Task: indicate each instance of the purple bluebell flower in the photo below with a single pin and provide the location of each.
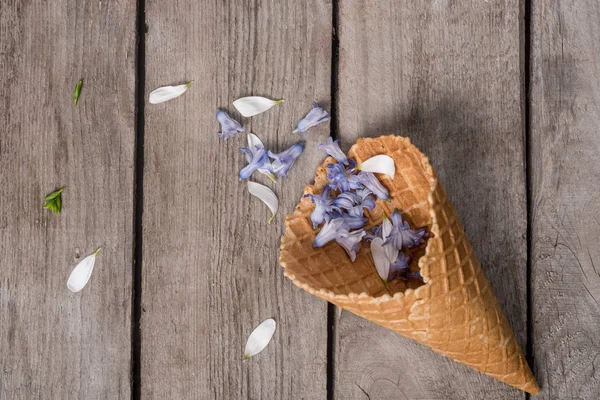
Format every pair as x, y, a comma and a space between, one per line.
229, 126
342, 178
352, 222
354, 202
283, 161
330, 231
323, 206
371, 182
401, 234
350, 241
257, 159
313, 118
401, 268
254, 145
333, 149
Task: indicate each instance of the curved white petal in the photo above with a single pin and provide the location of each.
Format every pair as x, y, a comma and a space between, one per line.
382, 263
82, 273
386, 228
259, 338
167, 93
254, 141
381, 164
266, 195
253, 105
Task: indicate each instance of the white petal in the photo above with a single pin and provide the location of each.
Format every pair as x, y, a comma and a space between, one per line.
260, 338
382, 263
266, 195
82, 272
254, 141
167, 93
253, 105
381, 164
386, 228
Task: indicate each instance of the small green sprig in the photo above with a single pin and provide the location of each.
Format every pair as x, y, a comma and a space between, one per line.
54, 201
77, 92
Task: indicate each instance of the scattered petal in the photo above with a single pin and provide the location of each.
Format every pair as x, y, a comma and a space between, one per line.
333, 149
386, 229
167, 93
258, 159
77, 92
370, 181
330, 231
382, 263
82, 273
350, 241
400, 267
254, 143
342, 178
283, 161
229, 126
259, 338
381, 164
352, 222
323, 206
313, 118
401, 234
253, 105
266, 195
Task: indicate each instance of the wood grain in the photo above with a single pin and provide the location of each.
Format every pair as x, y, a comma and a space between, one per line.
446, 74
210, 263
55, 344
565, 165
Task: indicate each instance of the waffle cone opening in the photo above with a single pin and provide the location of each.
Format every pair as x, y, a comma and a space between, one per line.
338, 275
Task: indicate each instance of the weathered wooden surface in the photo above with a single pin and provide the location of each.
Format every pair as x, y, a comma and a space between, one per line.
55, 344
447, 74
210, 262
565, 141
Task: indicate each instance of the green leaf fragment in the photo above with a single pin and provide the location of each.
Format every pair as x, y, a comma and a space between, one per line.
76, 92
54, 194
54, 201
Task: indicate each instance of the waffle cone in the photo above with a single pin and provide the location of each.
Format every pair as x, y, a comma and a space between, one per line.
454, 311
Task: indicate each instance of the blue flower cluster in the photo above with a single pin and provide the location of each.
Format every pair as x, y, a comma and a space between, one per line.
341, 204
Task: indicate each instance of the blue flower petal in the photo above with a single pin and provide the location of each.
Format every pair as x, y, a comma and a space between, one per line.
316, 116
229, 126
323, 206
350, 241
371, 182
402, 236
333, 149
283, 161
330, 231
259, 160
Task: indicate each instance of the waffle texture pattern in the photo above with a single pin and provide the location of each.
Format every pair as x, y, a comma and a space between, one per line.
454, 312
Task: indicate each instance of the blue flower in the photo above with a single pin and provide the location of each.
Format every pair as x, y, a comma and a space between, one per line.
254, 145
351, 221
333, 149
257, 159
371, 182
401, 268
323, 206
313, 118
351, 242
330, 231
283, 161
229, 126
342, 178
354, 202
402, 235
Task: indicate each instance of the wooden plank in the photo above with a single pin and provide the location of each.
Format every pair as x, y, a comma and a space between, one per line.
565, 116
54, 343
211, 270
446, 74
